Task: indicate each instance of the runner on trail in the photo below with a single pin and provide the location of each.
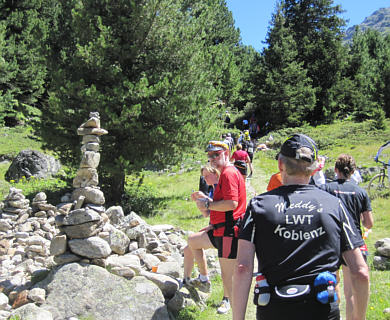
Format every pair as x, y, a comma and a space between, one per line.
358, 204
226, 210
299, 234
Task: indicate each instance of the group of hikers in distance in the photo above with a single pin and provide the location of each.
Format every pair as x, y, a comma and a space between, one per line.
301, 230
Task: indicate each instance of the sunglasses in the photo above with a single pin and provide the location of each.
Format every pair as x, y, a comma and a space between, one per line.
214, 155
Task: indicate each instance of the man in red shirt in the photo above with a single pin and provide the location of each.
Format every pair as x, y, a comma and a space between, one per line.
226, 210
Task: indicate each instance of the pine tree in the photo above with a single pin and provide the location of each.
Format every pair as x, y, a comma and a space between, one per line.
143, 67
285, 93
316, 29
24, 28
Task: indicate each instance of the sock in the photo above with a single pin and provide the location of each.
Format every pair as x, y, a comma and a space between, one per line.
203, 278
186, 280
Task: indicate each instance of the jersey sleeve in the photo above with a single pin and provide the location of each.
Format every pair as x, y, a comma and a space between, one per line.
230, 185
247, 226
366, 202
350, 236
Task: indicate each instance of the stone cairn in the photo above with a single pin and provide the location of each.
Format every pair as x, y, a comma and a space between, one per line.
84, 218
35, 239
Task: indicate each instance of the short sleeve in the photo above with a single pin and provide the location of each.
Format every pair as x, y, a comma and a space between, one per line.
350, 236
247, 226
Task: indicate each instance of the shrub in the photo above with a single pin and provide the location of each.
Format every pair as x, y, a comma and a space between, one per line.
139, 197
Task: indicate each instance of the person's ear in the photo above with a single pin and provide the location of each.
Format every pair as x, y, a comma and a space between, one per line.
280, 165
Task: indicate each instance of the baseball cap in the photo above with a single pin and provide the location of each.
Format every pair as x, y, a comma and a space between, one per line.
293, 144
216, 146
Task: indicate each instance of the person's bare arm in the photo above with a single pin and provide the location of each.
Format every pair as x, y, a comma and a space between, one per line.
367, 219
360, 282
242, 278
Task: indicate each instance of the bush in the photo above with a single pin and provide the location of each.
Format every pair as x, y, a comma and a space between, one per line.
139, 197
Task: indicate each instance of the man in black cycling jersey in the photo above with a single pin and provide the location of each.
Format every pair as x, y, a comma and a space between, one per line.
299, 233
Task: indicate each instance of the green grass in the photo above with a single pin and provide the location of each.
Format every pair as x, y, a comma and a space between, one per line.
13, 140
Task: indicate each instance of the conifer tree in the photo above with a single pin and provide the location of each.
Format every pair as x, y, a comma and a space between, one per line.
143, 67
285, 94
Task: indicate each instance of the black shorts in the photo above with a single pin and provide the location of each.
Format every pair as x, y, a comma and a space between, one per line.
299, 310
226, 246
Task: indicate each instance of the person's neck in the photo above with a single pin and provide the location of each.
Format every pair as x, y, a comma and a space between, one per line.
289, 180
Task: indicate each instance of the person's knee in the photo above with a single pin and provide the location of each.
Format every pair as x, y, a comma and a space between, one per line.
187, 250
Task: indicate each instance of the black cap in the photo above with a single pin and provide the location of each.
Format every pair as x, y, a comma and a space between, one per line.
297, 141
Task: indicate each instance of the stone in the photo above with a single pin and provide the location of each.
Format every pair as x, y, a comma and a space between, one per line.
90, 159
170, 268
15, 194
5, 225
92, 122
21, 204
40, 196
77, 290
86, 177
158, 228
84, 230
66, 258
126, 261
150, 261
93, 247
381, 263
21, 299
115, 214
90, 138
37, 295
3, 301
32, 312
383, 247
167, 285
92, 195
91, 146
58, 245
118, 240
80, 216
93, 131
32, 163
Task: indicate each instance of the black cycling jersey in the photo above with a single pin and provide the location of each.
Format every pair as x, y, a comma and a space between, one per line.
300, 231
354, 198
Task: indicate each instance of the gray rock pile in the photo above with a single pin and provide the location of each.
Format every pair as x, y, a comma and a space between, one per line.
25, 235
382, 255
94, 261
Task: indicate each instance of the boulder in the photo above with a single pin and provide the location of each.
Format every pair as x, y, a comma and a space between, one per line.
30, 163
31, 312
93, 247
76, 290
383, 247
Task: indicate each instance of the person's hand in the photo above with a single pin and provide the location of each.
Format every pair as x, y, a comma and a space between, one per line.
198, 195
207, 229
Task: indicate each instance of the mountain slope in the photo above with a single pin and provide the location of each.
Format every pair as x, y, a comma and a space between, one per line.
379, 20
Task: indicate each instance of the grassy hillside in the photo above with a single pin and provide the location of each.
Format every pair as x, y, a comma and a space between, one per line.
163, 197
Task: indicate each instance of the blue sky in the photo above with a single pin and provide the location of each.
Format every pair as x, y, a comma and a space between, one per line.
252, 17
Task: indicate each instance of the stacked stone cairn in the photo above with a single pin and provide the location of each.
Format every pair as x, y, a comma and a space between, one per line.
84, 217
36, 239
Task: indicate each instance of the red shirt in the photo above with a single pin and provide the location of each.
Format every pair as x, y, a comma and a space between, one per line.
240, 155
231, 186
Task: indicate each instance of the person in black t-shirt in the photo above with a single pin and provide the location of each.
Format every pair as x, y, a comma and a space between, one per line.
358, 204
298, 233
